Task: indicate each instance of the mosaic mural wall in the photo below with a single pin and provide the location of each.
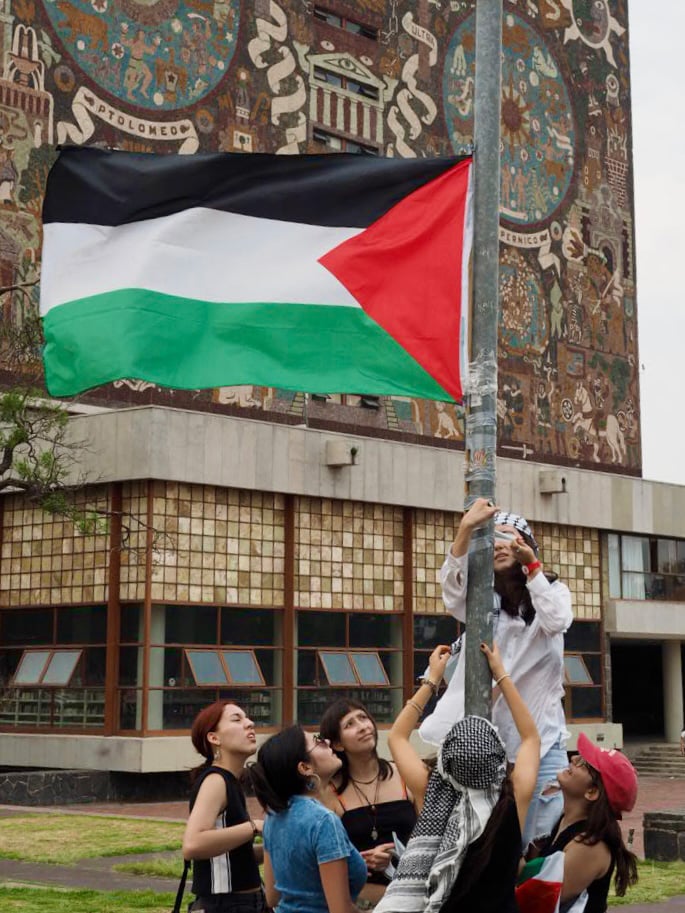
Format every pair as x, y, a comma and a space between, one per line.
384, 76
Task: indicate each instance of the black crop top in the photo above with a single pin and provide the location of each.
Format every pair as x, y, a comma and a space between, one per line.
236, 870
398, 815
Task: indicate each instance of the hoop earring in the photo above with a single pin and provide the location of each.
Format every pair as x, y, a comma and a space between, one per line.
313, 783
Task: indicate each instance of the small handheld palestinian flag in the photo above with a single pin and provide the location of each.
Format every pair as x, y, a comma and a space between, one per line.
539, 886
331, 273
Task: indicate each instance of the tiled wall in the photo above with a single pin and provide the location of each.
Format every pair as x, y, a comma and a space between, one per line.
45, 560
217, 545
348, 555
433, 532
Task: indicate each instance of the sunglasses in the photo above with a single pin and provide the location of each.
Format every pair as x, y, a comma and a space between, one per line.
318, 740
579, 761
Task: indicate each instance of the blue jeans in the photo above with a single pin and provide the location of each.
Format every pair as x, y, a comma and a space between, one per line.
545, 811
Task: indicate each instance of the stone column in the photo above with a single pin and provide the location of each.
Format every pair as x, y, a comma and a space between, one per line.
673, 689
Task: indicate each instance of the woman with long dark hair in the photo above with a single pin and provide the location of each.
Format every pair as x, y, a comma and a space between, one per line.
368, 793
310, 866
597, 786
532, 612
464, 853
219, 833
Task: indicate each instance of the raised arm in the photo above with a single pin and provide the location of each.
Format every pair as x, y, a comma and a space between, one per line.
453, 573
410, 766
527, 763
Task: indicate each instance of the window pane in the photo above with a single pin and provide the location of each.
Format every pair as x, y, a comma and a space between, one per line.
307, 668
614, 566
61, 667
321, 629
27, 627
82, 625
190, 625
245, 627
129, 632
431, 630
93, 666
576, 673
206, 667
635, 553
9, 660
667, 556
633, 586
31, 667
271, 664
586, 702
338, 668
583, 636
680, 552
130, 665
593, 661
369, 669
369, 630
242, 667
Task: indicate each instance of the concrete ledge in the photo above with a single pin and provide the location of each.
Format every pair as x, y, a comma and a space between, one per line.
664, 835
175, 753
69, 787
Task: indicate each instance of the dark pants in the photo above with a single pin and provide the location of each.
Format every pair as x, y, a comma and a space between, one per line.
252, 902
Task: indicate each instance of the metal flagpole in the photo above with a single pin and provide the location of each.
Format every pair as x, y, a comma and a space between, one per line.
481, 400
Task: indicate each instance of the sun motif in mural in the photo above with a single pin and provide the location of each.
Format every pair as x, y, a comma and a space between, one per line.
538, 126
156, 54
515, 117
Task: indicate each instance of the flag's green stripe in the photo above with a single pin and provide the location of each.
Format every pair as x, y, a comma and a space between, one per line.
177, 342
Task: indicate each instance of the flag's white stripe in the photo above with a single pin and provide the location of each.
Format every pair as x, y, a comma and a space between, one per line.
200, 253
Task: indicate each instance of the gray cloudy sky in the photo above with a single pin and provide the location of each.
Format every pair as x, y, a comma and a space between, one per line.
657, 51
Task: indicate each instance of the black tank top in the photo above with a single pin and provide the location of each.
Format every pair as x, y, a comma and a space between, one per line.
398, 815
236, 870
493, 890
598, 891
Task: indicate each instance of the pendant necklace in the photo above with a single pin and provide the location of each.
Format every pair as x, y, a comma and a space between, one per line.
370, 805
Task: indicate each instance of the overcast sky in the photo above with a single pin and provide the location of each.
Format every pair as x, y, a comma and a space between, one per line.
657, 44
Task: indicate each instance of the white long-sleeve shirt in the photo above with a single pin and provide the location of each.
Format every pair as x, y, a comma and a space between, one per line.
532, 654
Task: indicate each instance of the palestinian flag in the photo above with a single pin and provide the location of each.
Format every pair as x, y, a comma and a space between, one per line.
539, 886
324, 273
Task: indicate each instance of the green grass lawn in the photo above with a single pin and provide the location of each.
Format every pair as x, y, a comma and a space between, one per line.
63, 839
56, 900
658, 881
157, 868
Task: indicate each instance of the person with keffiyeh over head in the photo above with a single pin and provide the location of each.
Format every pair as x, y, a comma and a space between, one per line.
532, 612
463, 855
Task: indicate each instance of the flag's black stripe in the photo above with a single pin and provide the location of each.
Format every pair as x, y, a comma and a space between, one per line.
113, 188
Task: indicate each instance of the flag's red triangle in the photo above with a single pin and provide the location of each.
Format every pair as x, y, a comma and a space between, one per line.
538, 896
405, 270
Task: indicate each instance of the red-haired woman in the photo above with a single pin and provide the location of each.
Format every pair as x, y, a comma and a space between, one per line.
219, 833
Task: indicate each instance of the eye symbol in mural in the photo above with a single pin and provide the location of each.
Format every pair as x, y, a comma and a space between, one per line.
157, 54
538, 128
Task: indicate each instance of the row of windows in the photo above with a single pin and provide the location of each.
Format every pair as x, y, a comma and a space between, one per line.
642, 567
199, 653
343, 22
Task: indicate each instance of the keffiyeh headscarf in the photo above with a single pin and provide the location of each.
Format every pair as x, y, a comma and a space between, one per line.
462, 792
519, 523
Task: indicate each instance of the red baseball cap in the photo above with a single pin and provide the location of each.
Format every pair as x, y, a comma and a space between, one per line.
619, 777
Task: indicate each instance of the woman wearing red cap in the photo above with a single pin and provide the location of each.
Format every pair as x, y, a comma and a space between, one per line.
597, 786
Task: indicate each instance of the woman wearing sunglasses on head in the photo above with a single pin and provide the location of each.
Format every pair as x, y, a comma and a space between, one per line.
597, 786
310, 866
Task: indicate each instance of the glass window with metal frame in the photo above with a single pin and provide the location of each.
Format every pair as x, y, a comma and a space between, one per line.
348, 654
